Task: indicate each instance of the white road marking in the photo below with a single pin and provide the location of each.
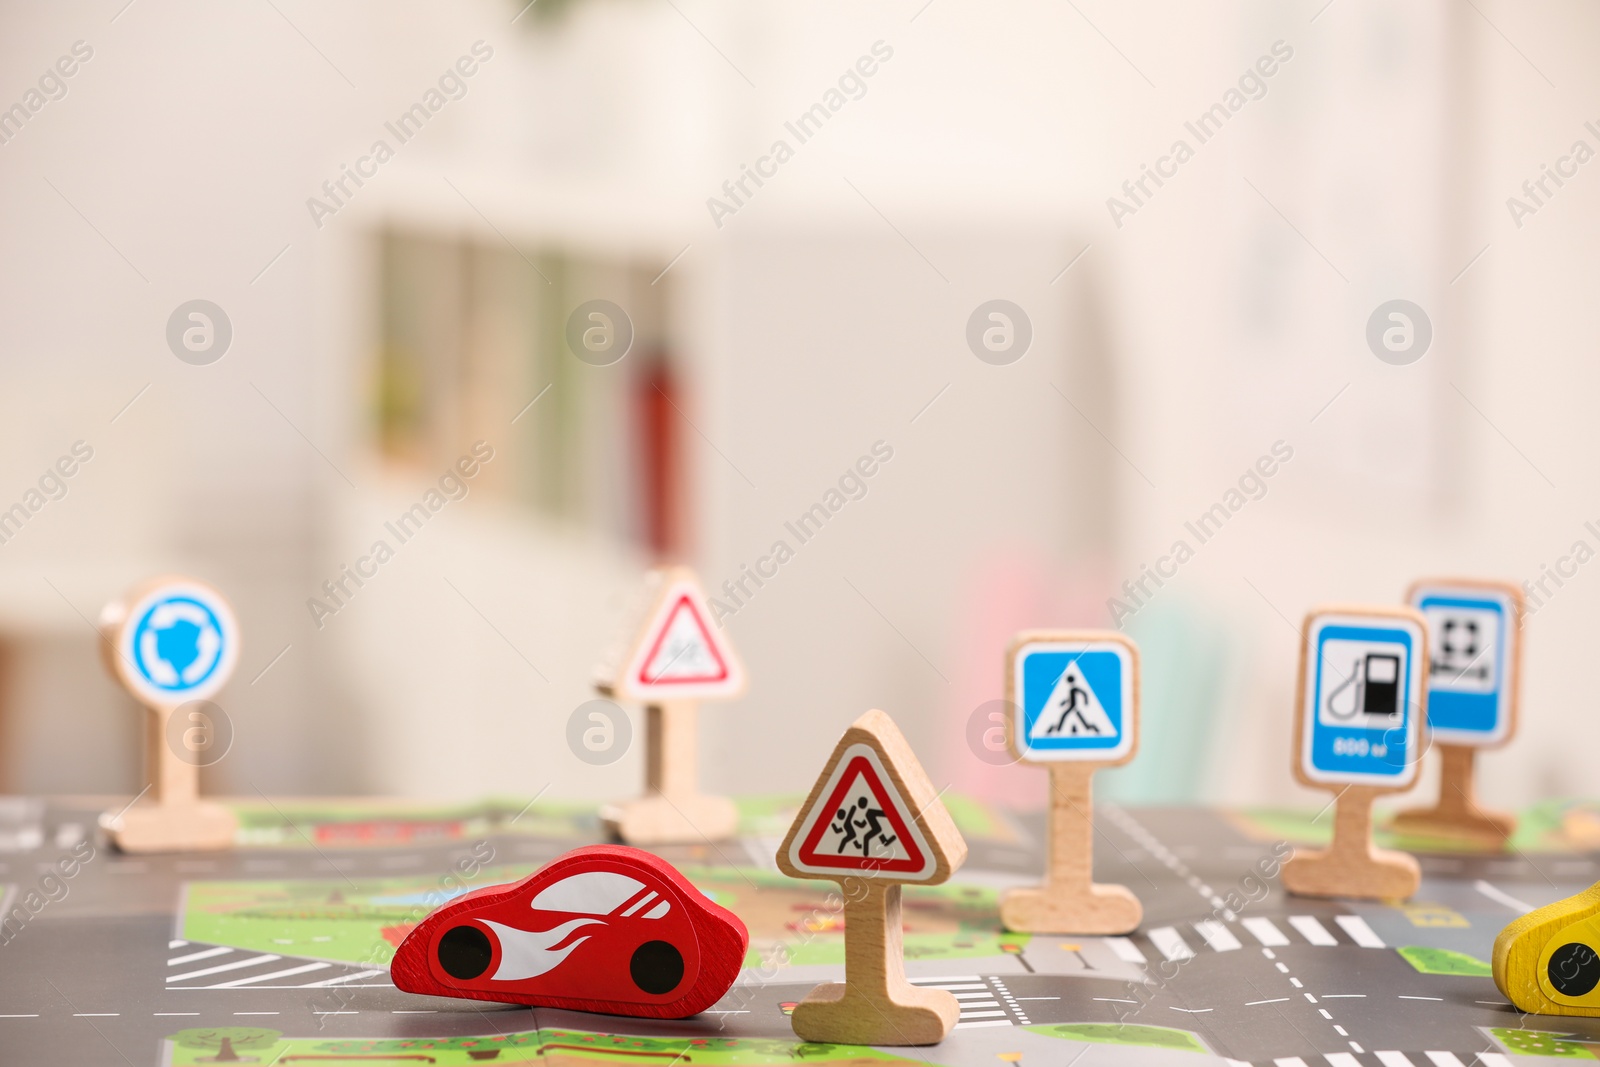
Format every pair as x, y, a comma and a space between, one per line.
1357, 1047
973, 996
989, 1003
983, 1014
1264, 931
1191, 1011
1290, 1061
1341, 1031
1108, 1000
1308, 996
1494, 1059
1359, 931
987, 1022
1324, 1013
342, 979
948, 978
1444, 1059
1218, 936
253, 1013
1170, 943
727, 1011
1239, 1063
174, 1013
1500, 896
1058, 998
236, 983
336, 1013
1296, 982
1274, 1000
176, 944
1341, 1059
1334, 996
953, 987
204, 954
414, 1011
95, 1014
1126, 950
1404, 997
234, 966
1312, 930
34, 1016
1281, 967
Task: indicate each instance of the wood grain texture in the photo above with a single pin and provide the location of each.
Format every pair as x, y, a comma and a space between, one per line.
1351, 865
597, 939
1457, 813
875, 1004
1525, 971
1070, 901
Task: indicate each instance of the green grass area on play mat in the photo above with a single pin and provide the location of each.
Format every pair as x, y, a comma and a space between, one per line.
1444, 961
199, 1045
1125, 1034
1540, 1043
362, 920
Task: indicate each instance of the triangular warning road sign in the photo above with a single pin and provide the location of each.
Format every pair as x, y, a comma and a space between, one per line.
873, 814
673, 652
1072, 709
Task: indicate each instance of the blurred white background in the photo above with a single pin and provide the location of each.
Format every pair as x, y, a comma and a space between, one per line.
1173, 344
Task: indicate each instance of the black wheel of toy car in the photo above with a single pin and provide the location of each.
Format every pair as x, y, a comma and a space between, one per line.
465, 952
656, 967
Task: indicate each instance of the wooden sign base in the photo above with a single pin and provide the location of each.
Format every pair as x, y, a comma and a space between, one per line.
875, 1005
1457, 814
199, 826
673, 811
1351, 866
1070, 902
175, 819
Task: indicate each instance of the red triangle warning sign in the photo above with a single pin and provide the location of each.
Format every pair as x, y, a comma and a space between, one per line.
677, 653
861, 823
873, 814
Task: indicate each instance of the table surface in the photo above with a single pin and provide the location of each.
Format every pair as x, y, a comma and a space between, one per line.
281, 945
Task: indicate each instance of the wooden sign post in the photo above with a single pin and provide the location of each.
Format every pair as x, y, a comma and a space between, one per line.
872, 823
1359, 730
1074, 700
172, 641
1475, 633
672, 660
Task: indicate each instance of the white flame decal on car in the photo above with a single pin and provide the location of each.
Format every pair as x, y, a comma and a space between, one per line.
530, 953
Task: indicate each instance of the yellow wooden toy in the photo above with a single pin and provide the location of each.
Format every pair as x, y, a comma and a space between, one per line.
1548, 961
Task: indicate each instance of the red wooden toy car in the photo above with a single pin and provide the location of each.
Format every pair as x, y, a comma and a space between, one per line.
604, 928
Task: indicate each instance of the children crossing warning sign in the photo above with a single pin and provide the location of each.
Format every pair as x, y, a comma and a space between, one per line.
861, 823
674, 653
683, 651
872, 814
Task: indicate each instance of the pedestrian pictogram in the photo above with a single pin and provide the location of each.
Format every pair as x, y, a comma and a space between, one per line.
871, 822
684, 651
861, 823
670, 659
1075, 706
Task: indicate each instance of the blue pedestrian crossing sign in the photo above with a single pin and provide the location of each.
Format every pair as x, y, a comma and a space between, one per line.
1363, 697
1074, 696
1474, 633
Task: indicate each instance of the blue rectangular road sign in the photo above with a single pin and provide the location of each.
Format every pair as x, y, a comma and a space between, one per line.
1074, 699
1473, 634
1362, 698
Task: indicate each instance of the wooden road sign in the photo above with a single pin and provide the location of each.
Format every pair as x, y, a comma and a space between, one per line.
1474, 684
671, 658
172, 641
872, 822
1360, 730
1074, 698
